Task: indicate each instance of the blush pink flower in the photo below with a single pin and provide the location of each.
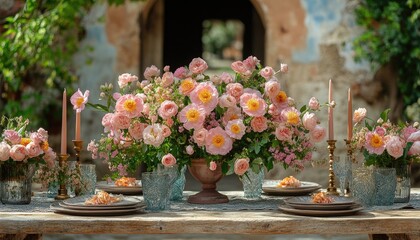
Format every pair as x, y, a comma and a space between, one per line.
227, 101
251, 62
168, 160
259, 124
18, 152
130, 105
33, 150
205, 95
284, 68
126, 78
408, 131
79, 100
235, 129
218, 142
187, 86
136, 130
359, 115
253, 105
106, 121
231, 114
226, 77
200, 136
415, 149
12, 136
380, 130
213, 166
198, 66
167, 79
49, 157
151, 72
318, 133
153, 135
313, 103
166, 131
168, 109
395, 147
291, 116
283, 133
240, 68
181, 73
309, 121
280, 100
374, 143
267, 73
120, 121
415, 136
190, 150
272, 88
235, 89
192, 116
4, 151
241, 166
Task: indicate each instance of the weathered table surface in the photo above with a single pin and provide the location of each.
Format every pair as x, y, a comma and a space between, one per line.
404, 221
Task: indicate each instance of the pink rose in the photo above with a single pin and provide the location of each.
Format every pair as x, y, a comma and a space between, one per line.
120, 121
213, 166
318, 133
272, 88
4, 151
167, 79
12, 136
126, 78
168, 160
106, 121
227, 101
259, 124
166, 68
146, 109
283, 133
359, 115
136, 130
144, 83
198, 66
50, 157
309, 121
395, 147
267, 73
18, 152
33, 149
153, 135
226, 77
181, 73
380, 131
235, 89
151, 72
215, 79
251, 62
240, 68
415, 149
241, 166
200, 136
284, 68
313, 103
190, 150
79, 100
166, 131
168, 109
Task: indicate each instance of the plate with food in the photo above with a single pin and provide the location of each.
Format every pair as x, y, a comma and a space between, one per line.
289, 186
124, 185
321, 213
101, 199
97, 212
320, 201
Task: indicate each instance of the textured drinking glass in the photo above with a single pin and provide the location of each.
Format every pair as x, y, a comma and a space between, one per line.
156, 190
402, 190
363, 186
342, 170
88, 178
252, 183
385, 183
15, 183
178, 185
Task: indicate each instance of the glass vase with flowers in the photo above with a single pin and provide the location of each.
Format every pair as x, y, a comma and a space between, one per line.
21, 152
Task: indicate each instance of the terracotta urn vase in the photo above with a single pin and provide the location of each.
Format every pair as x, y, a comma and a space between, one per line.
208, 179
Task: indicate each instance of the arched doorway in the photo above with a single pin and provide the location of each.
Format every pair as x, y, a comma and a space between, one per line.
171, 31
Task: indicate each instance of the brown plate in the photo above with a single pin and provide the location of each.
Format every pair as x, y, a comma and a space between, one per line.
111, 188
321, 213
270, 187
107, 212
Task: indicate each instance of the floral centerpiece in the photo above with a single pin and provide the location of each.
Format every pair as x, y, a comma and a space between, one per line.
239, 121
385, 144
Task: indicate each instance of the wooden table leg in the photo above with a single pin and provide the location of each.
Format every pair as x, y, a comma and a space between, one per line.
21, 236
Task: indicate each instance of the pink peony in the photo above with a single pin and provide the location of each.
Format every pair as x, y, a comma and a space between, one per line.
153, 135
205, 95
309, 121
12, 136
213, 166
33, 150
280, 100
227, 101
181, 73
190, 150
79, 100
18, 152
130, 105
272, 88
253, 105
198, 66
136, 130
126, 78
395, 147
267, 73
318, 133
168, 109
167, 79
192, 116
120, 121
187, 86
290, 116
241, 166
235, 89
168, 160
283, 133
259, 124
200, 136
374, 143
235, 129
313, 103
218, 142
226, 77
231, 114
415, 149
359, 115
151, 72
4, 151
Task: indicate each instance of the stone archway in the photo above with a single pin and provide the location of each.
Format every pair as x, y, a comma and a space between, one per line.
170, 33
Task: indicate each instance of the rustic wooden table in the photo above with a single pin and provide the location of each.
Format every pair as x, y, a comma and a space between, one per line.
401, 224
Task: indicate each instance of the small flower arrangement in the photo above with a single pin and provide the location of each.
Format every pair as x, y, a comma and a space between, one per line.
17, 145
385, 144
238, 121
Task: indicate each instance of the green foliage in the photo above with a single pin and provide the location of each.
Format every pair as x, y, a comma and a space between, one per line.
392, 35
218, 35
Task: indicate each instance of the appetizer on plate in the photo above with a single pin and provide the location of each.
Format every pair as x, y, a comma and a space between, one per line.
289, 182
322, 197
102, 198
126, 182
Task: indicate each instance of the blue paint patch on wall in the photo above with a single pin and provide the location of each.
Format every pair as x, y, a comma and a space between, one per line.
322, 16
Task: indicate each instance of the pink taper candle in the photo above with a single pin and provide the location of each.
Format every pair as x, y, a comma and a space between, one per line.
77, 126
64, 124
330, 114
349, 116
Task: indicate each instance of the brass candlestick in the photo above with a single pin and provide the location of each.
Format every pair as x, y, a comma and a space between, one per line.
351, 156
78, 145
62, 191
331, 190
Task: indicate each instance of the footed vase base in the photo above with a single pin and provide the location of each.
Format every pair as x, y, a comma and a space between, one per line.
208, 197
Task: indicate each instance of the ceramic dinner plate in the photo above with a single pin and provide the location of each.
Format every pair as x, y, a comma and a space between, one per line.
321, 213
97, 212
270, 187
111, 188
80, 202
305, 202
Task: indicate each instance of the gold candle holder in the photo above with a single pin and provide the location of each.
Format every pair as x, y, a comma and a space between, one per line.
78, 145
351, 156
331, 190
62, 191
